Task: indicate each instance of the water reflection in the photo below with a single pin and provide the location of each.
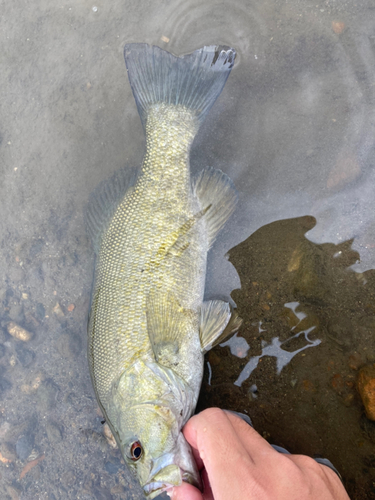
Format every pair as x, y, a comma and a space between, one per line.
294, 295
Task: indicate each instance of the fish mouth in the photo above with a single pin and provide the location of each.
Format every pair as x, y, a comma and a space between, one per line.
152, 490
155, 488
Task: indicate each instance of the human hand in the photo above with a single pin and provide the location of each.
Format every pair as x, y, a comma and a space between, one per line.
236, 463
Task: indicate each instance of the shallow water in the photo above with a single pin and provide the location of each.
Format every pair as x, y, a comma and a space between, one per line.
294, 128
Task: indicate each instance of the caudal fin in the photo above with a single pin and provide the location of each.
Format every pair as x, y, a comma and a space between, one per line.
194, 80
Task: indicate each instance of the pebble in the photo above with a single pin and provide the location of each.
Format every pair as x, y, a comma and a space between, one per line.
338, 27
34, 384
355, 361
40, 311
18, 332
4, 384
47, 395
113, 467
8, 452
24, 356
71, 307
58, 311
69, 345
53, 432
366, 389
24, 446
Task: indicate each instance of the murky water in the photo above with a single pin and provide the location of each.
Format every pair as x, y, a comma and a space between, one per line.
294, 128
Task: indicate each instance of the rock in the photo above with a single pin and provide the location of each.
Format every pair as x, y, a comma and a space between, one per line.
40, 311
58, 311
24, 446
4, 384
69, 344
53, 432
113, 466
16, 312
13, 361
338, 27
47, 395
18, 332
355, 361
366, 389
8, 451
25, 356
34, 384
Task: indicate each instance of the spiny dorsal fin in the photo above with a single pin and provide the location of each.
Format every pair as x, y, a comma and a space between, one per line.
104, 201
215, 189
218, 321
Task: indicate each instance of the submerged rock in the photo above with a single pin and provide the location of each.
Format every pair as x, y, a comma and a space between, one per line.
24, 446
366, 389
18, 332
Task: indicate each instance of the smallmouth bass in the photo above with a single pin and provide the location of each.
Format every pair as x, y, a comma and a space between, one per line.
149, 326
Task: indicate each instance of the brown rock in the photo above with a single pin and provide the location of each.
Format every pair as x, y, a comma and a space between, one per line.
18, 332
338, 27
355, 361
366, 389
58, 311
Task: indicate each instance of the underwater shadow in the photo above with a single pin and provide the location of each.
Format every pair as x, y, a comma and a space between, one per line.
308, 327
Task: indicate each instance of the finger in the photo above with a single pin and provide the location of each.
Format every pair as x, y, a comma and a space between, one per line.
185, 492
252, 441
191, 437
212, 434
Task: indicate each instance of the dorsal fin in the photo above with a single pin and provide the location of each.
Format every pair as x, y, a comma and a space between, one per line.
215, 189
104, 201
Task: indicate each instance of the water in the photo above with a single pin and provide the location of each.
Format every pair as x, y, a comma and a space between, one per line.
294, 128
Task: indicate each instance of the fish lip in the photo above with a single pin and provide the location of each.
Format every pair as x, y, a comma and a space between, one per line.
154, 488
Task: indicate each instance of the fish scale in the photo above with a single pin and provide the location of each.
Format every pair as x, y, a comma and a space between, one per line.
140, 226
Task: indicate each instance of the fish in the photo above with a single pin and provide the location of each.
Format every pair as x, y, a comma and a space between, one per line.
149, 325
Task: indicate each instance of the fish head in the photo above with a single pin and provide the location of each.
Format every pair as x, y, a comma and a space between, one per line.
157, 451
151, 411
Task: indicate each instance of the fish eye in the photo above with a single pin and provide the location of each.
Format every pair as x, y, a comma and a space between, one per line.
136, 451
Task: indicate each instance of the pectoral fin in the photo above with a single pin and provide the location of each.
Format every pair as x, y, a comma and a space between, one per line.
165, 318
218, 321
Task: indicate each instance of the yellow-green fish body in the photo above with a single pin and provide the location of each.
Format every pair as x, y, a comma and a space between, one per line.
149, 326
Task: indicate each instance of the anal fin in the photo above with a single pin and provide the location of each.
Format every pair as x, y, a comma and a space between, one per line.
218, 321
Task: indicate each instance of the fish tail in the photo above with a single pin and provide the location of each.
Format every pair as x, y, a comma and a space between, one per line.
193, 81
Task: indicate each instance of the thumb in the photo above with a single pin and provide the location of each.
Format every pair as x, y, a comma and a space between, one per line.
185, 492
